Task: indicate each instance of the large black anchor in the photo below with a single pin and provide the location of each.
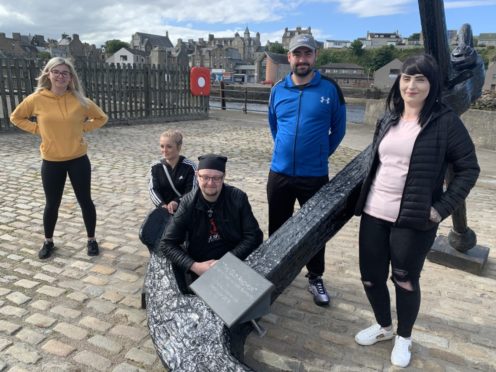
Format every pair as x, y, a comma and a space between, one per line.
463, 77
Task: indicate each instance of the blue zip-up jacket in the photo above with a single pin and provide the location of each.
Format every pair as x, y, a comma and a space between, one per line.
307, 124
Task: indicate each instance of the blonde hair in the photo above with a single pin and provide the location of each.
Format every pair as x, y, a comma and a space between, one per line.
176, 136
74, 85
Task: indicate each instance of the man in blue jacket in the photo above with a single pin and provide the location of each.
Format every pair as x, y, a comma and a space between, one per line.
307, 118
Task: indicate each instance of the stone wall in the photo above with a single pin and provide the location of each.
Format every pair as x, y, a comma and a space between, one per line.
374, 108
487, 101
481, 124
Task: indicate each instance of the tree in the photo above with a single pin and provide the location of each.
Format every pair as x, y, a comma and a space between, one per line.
488, 54
323, 57
277, 48
414, 37
356, 48
44, 55
382, 56
112, 46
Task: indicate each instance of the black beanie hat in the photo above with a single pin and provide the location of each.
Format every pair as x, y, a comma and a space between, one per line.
212, 161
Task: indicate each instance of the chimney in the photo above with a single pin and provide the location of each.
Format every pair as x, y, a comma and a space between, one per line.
16, 36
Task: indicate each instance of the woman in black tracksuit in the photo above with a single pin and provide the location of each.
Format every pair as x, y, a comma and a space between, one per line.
402, 200
173, 176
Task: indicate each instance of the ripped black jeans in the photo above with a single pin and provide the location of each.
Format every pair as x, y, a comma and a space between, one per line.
380, 243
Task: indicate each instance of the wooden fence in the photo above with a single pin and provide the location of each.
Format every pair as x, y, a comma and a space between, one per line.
128, 94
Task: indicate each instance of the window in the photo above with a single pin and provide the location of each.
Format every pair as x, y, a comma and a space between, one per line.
393, 73
123, 58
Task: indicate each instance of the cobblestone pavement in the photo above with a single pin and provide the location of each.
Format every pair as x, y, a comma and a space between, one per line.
78, 313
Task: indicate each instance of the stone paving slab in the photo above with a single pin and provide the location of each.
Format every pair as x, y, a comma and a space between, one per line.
79, 313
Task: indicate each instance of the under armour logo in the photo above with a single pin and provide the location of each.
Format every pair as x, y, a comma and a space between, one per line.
181, 177
325, 99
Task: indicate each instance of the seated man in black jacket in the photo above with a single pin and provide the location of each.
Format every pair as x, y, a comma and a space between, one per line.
210, 221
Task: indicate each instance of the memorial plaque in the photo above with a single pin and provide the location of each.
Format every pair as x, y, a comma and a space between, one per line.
234, 291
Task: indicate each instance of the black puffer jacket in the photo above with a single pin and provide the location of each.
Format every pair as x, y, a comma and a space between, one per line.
443, 140
236, 223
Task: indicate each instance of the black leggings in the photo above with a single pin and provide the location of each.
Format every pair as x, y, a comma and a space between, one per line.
282, 193
381, 243
53, 176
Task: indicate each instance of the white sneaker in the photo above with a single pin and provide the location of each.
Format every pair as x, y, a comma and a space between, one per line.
373, 334
401, 354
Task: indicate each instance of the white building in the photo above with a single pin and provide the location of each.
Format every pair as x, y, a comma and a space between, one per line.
128, 56
336, 44
378, 39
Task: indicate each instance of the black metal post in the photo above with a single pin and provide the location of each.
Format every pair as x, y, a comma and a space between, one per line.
245, 109
222, 95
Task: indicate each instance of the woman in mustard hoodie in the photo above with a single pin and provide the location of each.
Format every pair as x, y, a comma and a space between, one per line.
62, 114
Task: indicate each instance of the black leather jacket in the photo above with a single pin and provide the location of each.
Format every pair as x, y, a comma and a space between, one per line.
443, 140
236, 223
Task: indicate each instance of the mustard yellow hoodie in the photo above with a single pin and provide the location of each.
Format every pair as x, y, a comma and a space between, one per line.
60, 121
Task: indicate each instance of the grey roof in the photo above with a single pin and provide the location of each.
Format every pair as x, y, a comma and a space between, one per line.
157, 40
65, 41
136, 51
15, 48
280, 59
342, 65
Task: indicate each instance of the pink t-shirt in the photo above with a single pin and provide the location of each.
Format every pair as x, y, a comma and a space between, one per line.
395, 150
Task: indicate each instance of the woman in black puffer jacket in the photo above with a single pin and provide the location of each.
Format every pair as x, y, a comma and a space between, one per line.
402, 199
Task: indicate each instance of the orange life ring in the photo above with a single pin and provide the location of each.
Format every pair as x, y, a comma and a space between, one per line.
199, 79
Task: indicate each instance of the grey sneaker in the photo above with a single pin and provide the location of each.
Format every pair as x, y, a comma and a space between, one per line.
320, 295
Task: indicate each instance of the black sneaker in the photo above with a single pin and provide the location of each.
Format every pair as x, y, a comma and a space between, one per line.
320, 295
46, 251
93, 248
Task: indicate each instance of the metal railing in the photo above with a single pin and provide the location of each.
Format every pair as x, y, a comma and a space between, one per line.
238, 97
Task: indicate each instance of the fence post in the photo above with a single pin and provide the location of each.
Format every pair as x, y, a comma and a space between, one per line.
222, 96
147, 85
245, 109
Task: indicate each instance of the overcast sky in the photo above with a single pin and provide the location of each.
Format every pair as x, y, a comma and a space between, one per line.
99, 20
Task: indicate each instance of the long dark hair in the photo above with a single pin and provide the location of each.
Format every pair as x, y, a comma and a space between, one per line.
426, 65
